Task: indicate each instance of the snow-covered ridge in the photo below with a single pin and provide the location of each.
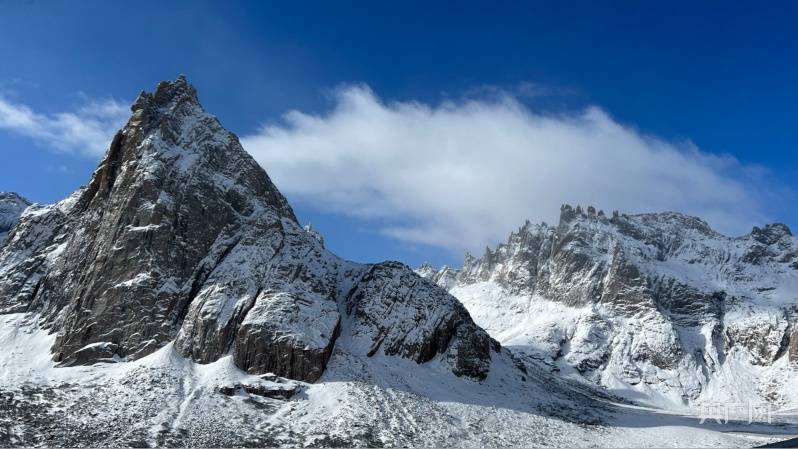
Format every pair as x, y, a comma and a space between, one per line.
658, 305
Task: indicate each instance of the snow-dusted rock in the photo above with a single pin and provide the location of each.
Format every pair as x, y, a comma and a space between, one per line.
33, 249
181, 236
288, 334
652, 302
11, 207
399, 313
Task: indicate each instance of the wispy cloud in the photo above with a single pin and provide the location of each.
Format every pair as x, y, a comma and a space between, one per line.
462, 174
86, 130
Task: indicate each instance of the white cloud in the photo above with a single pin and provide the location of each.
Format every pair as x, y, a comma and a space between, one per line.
87, 130
462, 175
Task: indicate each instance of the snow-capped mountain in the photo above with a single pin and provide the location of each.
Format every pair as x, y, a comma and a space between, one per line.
655, 307
175, 300
180, 235
11, 207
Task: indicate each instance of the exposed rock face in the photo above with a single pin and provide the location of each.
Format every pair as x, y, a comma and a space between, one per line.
793, 346
286, 334
274, 391
659, 300
136, 240
181, 236
30, 251
11, 207
399, 313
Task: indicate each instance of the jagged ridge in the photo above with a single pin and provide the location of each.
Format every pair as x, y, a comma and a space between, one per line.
641, 302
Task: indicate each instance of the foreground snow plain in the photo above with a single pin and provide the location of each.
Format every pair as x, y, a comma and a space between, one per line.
167, 400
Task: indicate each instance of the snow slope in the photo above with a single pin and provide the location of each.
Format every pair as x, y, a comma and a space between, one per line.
164, 399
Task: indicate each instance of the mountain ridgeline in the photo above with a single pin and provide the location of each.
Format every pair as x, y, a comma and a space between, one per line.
653, 304
180, 236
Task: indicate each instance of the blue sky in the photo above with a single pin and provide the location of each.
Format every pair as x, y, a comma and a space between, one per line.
625, 105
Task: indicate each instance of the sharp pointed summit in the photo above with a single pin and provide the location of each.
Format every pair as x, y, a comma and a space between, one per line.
181, 236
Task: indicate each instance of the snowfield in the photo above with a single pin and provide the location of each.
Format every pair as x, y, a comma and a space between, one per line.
166, 399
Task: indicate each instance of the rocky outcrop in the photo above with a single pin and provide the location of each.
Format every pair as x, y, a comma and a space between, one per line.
286, 334
793, 346
134, 243
30, 259
181, 236
399, 313
272, 391
11, 207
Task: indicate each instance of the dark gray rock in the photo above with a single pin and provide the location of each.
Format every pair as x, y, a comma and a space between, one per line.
11, 207
400, 313
793, 346
289, 336
96, 352
283, 392
771, 233
172, 184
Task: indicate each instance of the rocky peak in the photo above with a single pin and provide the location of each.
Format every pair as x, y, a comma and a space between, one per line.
171, 144
567, 213
171, 110
167, 94
586, 242
11, 207
12, 197
675, 222
570, 214
426, 270
770, 233
180, 236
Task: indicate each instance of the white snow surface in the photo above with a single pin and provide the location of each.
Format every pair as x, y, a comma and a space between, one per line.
358, 401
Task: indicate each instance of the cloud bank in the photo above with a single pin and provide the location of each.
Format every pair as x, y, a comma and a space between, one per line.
461, 175
87, 130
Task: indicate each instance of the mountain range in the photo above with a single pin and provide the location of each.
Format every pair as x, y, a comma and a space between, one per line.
177, 300
658, 308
